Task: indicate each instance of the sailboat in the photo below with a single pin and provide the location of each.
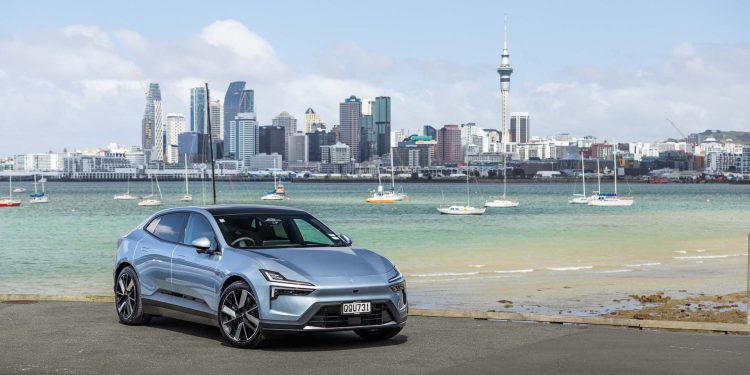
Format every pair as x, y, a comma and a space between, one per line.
381, 195
10, 202
611, 199
463, 210
125, 196
582, 198
19, 190
187, 197
150, 200
39, 197
502, 202
277, 194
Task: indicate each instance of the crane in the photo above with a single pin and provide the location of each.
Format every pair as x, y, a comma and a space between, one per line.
678, 129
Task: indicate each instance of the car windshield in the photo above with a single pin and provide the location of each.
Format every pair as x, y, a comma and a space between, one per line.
275, 230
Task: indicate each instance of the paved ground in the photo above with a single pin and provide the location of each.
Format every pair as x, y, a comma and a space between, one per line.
82, 338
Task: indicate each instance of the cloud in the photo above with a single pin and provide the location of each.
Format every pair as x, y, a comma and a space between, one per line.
81, 86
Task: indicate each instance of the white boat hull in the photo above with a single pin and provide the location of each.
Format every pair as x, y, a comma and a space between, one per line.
272, 197
125, 197
612, 202
187, 198
501, 203
44, 199
150, 202
461, 210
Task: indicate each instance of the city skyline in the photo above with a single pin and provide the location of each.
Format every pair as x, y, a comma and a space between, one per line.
618, 84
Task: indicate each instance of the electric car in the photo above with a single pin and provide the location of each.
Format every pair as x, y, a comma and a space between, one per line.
253, 271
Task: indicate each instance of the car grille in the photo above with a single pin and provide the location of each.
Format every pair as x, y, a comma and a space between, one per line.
331, 317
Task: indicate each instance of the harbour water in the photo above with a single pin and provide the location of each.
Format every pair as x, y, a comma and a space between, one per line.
546, 255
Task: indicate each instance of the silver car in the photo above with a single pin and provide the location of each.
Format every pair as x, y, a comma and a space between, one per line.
254, 271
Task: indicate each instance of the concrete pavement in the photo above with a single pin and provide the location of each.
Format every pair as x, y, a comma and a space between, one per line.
85, 338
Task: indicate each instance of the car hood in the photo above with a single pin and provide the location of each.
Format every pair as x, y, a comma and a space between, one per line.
326, 261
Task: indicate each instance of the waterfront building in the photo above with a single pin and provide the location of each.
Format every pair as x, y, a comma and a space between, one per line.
297, 147
247, 136
217, 120
430, 131
415, 152
317, 139
380, 110
38, 162
152, 138
264, 161
236, 100
102, 166
718, 162
368, 138
745, 160
198, 110
602, 150
505, 70
350, 123
449, 145
195, 145
311, 118
339, 153
271, 139
175, 127
289, 123
519, 127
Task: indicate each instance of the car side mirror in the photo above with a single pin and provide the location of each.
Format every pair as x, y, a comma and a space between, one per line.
203, 245
346, 240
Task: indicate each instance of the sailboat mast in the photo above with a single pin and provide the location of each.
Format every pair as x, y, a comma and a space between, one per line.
583, 175
35, 190
128, 184
615, 169
186, 177
10, 184
598, 176
468, 200
505, 173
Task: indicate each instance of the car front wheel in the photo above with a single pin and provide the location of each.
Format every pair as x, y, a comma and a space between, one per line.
239, 317
128, 298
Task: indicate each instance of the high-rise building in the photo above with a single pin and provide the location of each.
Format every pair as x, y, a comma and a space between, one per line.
449, 144
311, 118
338, 153
195, 146
217, 120
152, 138
236, 100
175, 127
289, 123
271, 140
381, 117
247, 136
504, 70
350, 123
429, 131
367, 138
519, 127
198, 109
298, 147
316, 140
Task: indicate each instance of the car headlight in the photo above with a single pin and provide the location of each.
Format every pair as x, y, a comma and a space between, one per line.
283, 286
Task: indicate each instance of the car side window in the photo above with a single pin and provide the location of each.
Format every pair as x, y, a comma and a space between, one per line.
151, 227
170, 227
197, 227
310, 234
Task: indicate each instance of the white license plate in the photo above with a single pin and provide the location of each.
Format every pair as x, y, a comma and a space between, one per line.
355, 308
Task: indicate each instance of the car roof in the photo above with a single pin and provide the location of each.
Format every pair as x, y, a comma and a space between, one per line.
233, 209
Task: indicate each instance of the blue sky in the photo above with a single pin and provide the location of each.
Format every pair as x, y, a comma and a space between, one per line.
436, 58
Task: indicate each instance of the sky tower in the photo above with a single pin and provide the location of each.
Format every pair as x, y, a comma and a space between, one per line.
504, 70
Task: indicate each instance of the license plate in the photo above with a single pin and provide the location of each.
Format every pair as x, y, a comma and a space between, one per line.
355, 308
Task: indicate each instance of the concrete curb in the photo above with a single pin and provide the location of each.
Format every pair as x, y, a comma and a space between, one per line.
735, 328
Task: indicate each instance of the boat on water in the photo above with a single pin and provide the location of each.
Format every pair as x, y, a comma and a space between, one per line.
380, 195
39, 197
468, 209
150, 200
9, 201
186, 197
277, 194
125, 196
503, 201
582, 198
19, 190
611, 199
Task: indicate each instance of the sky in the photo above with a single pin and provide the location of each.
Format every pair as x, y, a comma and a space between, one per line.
73, 74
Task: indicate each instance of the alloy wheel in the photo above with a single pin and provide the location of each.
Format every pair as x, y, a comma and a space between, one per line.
239, 316
125, 295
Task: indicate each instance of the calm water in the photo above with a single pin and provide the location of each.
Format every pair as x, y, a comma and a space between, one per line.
545, 255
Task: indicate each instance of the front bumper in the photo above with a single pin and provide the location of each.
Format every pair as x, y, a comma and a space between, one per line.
323, 316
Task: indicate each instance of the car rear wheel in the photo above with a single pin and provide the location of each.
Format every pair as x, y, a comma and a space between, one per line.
378, 334
239, 317
128, 299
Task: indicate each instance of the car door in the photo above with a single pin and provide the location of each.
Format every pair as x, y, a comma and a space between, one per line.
195, 275
153, 257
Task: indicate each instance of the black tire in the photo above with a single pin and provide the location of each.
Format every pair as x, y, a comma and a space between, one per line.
239, 319
128, 304
378, 334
